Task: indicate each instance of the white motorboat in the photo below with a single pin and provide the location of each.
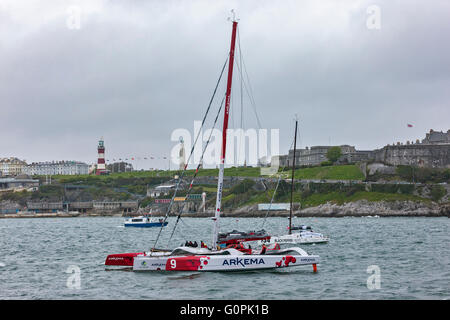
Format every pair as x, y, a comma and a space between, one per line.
145, 222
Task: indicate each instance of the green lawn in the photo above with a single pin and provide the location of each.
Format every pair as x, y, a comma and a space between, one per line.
342, 172
242, 172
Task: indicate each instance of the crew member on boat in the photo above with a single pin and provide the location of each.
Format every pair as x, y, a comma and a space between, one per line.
263, 249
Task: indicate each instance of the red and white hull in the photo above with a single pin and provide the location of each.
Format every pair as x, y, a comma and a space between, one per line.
224, 260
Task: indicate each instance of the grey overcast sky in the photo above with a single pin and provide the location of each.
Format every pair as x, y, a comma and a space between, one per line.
137, 70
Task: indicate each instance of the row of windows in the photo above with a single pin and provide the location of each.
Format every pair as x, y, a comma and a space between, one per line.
47, 169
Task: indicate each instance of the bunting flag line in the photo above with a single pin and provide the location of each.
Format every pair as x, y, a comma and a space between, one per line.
135, 158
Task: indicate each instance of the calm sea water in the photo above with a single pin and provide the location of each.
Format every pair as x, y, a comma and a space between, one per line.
413, 256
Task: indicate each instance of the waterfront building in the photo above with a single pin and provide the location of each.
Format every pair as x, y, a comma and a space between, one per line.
18, 184
57, 167
317, 154
119, 167
431, 152
115, 206
11, 166
167, 187
437, 137
83, 206
162, 190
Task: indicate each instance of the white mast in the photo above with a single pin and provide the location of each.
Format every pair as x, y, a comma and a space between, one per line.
224, 136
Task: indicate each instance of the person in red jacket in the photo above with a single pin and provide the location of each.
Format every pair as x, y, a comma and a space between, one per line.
263, 249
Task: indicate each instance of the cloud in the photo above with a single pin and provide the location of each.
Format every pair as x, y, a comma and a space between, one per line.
135, 71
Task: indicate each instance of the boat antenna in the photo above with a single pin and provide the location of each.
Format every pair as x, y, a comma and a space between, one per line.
232, 19
293, 172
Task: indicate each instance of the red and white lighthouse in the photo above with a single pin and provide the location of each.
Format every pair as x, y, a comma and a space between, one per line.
101, 167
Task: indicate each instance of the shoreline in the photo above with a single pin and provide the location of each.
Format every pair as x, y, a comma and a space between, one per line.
56, 215
360, 208
235, 215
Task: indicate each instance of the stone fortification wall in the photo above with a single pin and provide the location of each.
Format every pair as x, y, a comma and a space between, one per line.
422, 155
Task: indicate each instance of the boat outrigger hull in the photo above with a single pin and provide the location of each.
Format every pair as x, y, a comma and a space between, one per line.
122, 259
295, 238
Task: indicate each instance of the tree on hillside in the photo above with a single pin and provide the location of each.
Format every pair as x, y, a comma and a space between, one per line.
334, 153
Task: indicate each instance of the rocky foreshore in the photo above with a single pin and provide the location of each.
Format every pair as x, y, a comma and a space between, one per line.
355, 209
379, 208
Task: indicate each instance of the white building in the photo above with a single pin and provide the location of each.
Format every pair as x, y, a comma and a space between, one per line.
11, 166
163, 190
56, 167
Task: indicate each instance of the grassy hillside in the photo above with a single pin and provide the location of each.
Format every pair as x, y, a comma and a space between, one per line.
342, 172
314, 194
133, 185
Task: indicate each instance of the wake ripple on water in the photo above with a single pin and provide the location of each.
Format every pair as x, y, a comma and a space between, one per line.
414, 262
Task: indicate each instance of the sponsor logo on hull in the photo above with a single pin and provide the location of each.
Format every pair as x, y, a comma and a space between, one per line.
242, 261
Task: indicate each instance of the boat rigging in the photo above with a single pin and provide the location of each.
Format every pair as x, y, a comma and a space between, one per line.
186, 258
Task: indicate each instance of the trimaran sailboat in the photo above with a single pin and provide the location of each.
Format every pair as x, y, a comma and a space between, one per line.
215, 259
